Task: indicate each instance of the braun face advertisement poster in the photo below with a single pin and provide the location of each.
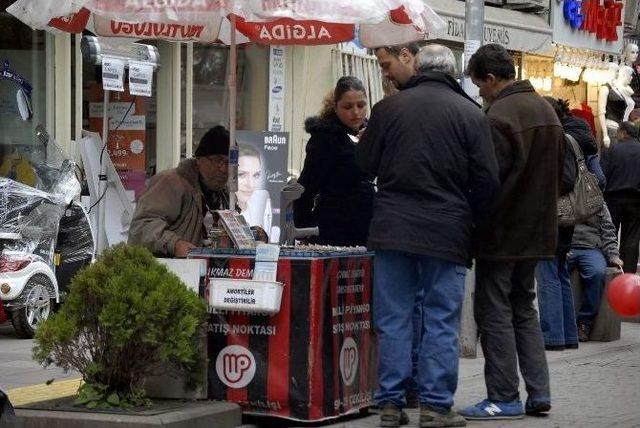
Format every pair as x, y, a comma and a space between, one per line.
262, 173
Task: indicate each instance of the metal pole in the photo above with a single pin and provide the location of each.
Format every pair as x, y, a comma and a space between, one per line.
473, 37
232, 184
101, 235
189, 101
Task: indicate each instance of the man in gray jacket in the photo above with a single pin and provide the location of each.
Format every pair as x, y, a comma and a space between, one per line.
594, 247
169, 214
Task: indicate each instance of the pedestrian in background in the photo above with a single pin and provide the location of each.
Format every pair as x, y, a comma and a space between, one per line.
594, 247
430, 147
338, 197
621, 166
522, 230
555, 298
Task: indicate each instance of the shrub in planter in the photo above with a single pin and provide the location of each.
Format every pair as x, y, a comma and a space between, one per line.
126, 315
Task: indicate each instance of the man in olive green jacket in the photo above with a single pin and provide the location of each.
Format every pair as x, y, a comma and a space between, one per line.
169, 215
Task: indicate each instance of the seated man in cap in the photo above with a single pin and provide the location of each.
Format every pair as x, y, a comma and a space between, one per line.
169, 215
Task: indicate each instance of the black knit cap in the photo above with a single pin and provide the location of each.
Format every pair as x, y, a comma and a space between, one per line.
214, 142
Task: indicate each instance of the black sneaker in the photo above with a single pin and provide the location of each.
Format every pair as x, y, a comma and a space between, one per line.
584, 331
537, 407
391, 416
554, 347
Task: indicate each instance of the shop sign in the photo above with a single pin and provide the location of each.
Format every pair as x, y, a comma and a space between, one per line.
588, 24
589, 15
510, 37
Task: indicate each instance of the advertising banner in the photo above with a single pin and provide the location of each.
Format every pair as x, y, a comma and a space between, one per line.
277, 88
316, 358
262, 173
287, 31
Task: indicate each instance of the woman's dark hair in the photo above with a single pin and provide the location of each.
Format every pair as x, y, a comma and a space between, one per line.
630, 129
344, 85
561, 107
491, 59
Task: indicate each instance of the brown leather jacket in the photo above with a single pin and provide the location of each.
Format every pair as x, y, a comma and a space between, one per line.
529, 144
169, 209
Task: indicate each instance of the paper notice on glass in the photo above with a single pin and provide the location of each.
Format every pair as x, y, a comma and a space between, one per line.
140, 78
112, 74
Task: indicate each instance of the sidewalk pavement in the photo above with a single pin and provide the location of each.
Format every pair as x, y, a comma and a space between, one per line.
597, 385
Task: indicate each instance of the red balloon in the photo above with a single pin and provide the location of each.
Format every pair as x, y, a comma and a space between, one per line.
623, 294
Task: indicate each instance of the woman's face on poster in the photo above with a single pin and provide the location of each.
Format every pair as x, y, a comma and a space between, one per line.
249, 177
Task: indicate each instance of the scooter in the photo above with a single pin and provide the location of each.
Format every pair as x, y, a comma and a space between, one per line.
45, 237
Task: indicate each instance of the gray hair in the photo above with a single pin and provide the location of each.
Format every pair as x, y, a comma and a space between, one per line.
436, 58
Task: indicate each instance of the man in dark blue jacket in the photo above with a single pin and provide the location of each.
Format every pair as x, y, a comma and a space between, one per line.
430, 147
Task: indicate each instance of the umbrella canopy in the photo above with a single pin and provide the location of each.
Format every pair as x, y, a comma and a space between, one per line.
281, 22
296, 22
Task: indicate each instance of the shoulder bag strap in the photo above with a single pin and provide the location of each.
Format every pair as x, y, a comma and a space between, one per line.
577, 151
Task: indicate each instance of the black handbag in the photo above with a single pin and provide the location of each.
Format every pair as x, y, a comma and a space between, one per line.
585, 199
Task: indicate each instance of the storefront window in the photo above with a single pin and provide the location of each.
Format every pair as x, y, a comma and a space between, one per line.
23, 94
132, 127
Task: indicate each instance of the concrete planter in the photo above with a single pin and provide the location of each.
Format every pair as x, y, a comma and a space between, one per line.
167, 413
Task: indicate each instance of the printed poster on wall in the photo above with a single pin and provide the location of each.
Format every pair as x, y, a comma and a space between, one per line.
127, 134
276, 88
262, 173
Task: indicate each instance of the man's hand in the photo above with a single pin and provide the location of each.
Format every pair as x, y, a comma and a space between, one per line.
616, 262
182, 248
260, 234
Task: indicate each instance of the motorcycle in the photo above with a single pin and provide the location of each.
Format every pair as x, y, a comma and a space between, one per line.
45, 234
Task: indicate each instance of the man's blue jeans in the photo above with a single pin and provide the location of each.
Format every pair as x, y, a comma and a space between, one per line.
591, 265
398, 278
555, 301
413, 384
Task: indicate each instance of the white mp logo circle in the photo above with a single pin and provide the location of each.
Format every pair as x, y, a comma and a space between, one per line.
235, 366
349, 361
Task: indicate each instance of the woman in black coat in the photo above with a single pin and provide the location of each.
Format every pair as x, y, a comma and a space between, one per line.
338, 197
555, 299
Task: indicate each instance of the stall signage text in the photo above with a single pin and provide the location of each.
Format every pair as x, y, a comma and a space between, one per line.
589, 15
290, 32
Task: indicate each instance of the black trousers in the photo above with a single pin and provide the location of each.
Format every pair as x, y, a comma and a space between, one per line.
625, 214
510, 330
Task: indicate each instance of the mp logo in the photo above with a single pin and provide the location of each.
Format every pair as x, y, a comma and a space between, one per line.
349, 361
235, 366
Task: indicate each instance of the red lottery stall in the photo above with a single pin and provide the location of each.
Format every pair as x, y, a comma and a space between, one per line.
315, 358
